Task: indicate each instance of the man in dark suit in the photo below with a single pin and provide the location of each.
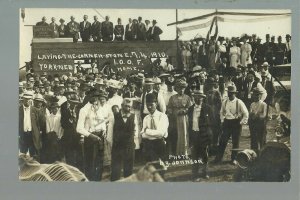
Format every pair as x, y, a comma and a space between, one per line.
280, 50
73, 29
132, 93
96, 30
29, 128
54, 27
43, 22
130, 31
119, 31
123, 129
200, 123
69, 118
85, 29
154, 32
241, 83
107, 29
141, 30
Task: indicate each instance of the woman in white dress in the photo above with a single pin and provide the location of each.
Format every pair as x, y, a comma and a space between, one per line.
234, 54
245, 53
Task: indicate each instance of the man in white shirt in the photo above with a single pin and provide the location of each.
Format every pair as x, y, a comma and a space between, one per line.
54, 133
233, 115
92, 124
154, 131
122, 131
29, 128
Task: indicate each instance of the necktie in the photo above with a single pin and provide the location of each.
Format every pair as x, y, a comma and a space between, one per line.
153, 126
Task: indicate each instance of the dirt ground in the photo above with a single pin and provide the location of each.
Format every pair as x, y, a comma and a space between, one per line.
222, 172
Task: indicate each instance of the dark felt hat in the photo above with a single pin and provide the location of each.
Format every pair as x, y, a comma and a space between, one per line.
150, 98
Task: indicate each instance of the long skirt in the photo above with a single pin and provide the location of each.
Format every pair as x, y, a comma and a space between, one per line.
182, 135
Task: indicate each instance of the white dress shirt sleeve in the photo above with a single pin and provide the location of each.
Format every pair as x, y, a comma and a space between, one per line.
110, 129
244, 111
261, 88
161, 130
161, 103
80, 124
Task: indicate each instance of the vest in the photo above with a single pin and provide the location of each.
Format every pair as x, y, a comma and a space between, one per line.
123, 133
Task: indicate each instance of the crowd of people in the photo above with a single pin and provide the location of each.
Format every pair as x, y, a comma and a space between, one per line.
135, 30
90, 119
237, 51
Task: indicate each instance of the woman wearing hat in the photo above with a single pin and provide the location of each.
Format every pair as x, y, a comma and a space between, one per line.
257, 116
246, 50
177, 111
234, 54
62, 29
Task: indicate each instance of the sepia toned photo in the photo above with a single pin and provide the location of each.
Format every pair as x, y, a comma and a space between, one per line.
154, 95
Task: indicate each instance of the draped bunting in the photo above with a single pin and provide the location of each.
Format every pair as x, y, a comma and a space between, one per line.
222, 19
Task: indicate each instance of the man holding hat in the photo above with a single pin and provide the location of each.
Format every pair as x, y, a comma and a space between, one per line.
154, 131
122, 130
200, 132
233, 115
29, 128
257, 123
92, 125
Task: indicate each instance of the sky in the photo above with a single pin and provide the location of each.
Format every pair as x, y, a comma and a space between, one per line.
275, 27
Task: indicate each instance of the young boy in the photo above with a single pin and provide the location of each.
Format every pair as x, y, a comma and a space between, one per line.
54, 135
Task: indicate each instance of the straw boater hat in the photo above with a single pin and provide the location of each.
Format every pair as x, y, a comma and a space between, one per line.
265, 64
163, 74
74, 99
148, 81
257, 91
99, 81
199, 93
39, 97
27, 95
114, 84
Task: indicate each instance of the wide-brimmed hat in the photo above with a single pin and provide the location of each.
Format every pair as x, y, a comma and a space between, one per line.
27, 95
39, 97
148, 81
140, 76
84, 87
198, 93
114, 84
265, 64
99, 81
231, 89
181, 84
61, 20
163, 74
157, 80
74, 99
69, 91
257, 91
